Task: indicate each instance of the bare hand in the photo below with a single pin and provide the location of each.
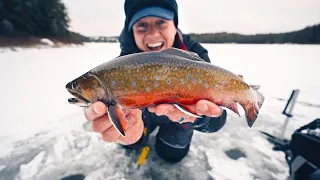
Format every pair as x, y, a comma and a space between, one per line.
98, 113
202, 107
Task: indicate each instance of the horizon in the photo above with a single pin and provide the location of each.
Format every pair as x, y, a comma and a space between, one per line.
248, 17
228, 32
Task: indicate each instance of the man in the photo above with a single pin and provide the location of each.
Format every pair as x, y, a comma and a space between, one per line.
152, 25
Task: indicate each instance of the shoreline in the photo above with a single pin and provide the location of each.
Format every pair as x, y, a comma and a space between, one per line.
36, 42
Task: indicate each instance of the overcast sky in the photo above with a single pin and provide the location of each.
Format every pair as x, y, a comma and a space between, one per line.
106, 17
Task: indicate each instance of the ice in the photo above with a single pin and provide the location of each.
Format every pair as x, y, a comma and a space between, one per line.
47, 42
44, 137
30, 170
2, 167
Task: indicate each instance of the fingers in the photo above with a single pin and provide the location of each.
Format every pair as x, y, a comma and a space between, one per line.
171, 112
202, 107
104, 126
208, 108
161, 109
110, 135
95, 111
134, 133
134, 130
101, 124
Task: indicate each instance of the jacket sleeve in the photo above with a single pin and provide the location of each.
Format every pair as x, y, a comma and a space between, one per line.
210, 124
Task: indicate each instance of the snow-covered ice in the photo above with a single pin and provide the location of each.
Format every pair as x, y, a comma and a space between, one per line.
47, 42
44, 137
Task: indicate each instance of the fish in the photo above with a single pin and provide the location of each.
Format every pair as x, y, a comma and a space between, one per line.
170, 76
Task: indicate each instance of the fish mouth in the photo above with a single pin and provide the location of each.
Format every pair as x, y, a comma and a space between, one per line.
79, 99
75, 101
74, 90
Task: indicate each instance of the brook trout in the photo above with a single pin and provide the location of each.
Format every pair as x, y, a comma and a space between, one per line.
168, 76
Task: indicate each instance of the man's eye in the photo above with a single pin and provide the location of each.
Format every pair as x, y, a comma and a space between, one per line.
142, 25
160, 22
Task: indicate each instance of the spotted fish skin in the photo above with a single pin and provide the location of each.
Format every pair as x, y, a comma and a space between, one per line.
168, 76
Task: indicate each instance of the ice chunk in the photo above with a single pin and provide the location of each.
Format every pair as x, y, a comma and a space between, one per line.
33, 167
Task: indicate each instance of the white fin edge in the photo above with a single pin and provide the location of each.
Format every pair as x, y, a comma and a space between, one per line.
186, 112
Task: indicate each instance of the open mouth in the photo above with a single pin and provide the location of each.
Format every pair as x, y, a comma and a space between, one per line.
78, 99
76, 102
155, 46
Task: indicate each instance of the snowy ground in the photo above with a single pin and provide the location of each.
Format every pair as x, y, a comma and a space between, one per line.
43, 137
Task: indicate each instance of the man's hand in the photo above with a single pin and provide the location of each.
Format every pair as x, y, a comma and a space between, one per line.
202, 107
98, 114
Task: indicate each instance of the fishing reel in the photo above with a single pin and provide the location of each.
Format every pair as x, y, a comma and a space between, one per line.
302, 151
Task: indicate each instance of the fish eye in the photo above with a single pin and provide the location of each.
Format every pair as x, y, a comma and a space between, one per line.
74, 85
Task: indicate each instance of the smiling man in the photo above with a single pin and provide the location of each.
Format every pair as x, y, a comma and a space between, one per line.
153, 29
152, 25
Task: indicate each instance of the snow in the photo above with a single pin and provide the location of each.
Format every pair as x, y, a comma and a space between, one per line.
27, 171
47, 42
2, 167
44, 137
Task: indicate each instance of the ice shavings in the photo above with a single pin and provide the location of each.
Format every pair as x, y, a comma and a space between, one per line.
30, 170
2, 167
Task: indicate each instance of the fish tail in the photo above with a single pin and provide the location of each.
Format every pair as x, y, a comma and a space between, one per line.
251, 111
252, 108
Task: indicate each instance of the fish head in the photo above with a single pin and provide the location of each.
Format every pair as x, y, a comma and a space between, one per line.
86, 89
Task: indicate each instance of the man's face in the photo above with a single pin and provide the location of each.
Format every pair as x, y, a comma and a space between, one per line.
154, 34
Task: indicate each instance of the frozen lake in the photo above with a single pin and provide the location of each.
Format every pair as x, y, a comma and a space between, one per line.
43, 137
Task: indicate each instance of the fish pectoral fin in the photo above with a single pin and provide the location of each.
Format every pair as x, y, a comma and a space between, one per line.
234, 108
117, 118
186, 110
183, 53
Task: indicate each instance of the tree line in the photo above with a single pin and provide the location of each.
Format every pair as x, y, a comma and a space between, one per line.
308, 35
49, 19
38, 18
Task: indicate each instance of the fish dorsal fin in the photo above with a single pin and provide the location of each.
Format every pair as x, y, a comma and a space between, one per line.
182, 53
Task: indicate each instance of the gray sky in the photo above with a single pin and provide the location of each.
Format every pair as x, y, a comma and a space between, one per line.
106, 17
